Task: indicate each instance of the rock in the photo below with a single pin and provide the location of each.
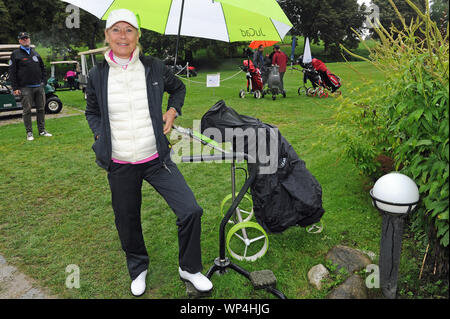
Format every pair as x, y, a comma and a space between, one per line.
353, 288
194, 293
369, 253
33, 293
262, 279
316, 275
350, 259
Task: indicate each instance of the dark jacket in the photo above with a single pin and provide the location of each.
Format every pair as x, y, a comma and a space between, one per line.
159, 79
258, 59
26, 69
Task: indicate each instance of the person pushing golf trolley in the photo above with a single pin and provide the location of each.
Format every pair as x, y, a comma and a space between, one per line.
124, 99
320, 77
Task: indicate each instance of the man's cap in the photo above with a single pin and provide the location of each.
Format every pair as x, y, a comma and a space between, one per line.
276, 46
124, 15
23, 35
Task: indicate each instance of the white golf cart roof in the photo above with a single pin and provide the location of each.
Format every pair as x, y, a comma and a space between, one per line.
64, 62
94, 51
12, 46
6, 50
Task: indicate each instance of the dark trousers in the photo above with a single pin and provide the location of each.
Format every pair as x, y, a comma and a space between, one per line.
71, 82
282, 79
33, 97
125, 181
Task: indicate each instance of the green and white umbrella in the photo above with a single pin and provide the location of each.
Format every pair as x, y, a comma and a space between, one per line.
224, 20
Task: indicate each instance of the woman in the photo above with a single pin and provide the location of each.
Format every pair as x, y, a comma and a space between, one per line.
124, 99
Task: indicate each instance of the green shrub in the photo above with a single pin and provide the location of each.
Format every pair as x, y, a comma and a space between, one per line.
406, 117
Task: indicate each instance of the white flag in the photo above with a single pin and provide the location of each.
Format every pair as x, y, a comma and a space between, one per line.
307, 57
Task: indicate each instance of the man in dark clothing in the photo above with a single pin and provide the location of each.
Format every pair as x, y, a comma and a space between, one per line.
281, 59
258, 57
27, 75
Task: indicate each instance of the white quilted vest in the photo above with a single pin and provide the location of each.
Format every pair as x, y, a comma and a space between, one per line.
132, 134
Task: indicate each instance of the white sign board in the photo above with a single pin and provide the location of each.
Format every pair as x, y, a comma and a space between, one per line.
213, 80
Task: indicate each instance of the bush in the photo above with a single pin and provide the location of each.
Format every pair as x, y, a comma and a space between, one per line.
406, 118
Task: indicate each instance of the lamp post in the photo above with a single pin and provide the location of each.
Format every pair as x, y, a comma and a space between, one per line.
395, 196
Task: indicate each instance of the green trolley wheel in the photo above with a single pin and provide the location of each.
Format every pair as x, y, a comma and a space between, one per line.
245, 207
247, 241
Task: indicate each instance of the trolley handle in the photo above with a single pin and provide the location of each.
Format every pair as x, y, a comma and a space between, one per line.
215, 157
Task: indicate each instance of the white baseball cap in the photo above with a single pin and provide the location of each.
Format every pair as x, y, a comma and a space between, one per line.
121, 15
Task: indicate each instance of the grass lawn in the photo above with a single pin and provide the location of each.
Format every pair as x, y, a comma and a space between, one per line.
55, 205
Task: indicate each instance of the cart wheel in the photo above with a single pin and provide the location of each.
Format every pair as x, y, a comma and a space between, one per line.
322, 94
247, 241
245, 207
53, 105
257, 94
242, 94
302, 91
310, 92
284, 93
274, 97
263, 94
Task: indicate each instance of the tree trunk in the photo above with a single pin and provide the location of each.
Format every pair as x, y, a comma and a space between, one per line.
92, 42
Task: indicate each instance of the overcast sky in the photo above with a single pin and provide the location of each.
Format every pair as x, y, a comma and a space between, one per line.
367, 2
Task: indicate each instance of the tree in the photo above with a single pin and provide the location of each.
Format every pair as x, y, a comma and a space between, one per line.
335, 22
6, 32
388, 16
45, 20
328, 20
163, 46
439, 13
303, 15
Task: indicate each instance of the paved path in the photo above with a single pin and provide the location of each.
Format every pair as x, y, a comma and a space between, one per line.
15, 285
13, 117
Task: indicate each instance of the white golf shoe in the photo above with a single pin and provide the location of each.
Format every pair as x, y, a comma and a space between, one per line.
138, 285
198, 280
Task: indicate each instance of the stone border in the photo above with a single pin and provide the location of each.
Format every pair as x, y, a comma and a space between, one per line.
16, 285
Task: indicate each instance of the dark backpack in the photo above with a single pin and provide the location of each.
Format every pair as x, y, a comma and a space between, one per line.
289, 196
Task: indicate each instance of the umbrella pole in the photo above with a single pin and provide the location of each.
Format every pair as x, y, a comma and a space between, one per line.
179, 31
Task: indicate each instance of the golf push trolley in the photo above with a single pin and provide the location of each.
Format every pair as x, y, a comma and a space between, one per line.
246, 240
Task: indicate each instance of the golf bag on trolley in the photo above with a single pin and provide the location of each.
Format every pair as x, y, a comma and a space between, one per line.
271, 78
321, 78
254, 80
284, 192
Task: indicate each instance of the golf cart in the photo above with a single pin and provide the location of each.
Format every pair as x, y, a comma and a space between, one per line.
85, 63
10, 102
53, 81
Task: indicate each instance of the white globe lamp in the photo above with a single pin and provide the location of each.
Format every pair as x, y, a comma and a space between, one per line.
395, 196
395, 193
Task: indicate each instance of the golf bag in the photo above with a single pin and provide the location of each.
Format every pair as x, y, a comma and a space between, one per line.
334, 82
313, 76
285, 196
274, 80
254, 78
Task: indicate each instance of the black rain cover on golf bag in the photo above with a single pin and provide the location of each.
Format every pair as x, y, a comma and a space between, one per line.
287, 197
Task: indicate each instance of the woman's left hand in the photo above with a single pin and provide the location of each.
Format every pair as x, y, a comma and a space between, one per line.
168, 119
